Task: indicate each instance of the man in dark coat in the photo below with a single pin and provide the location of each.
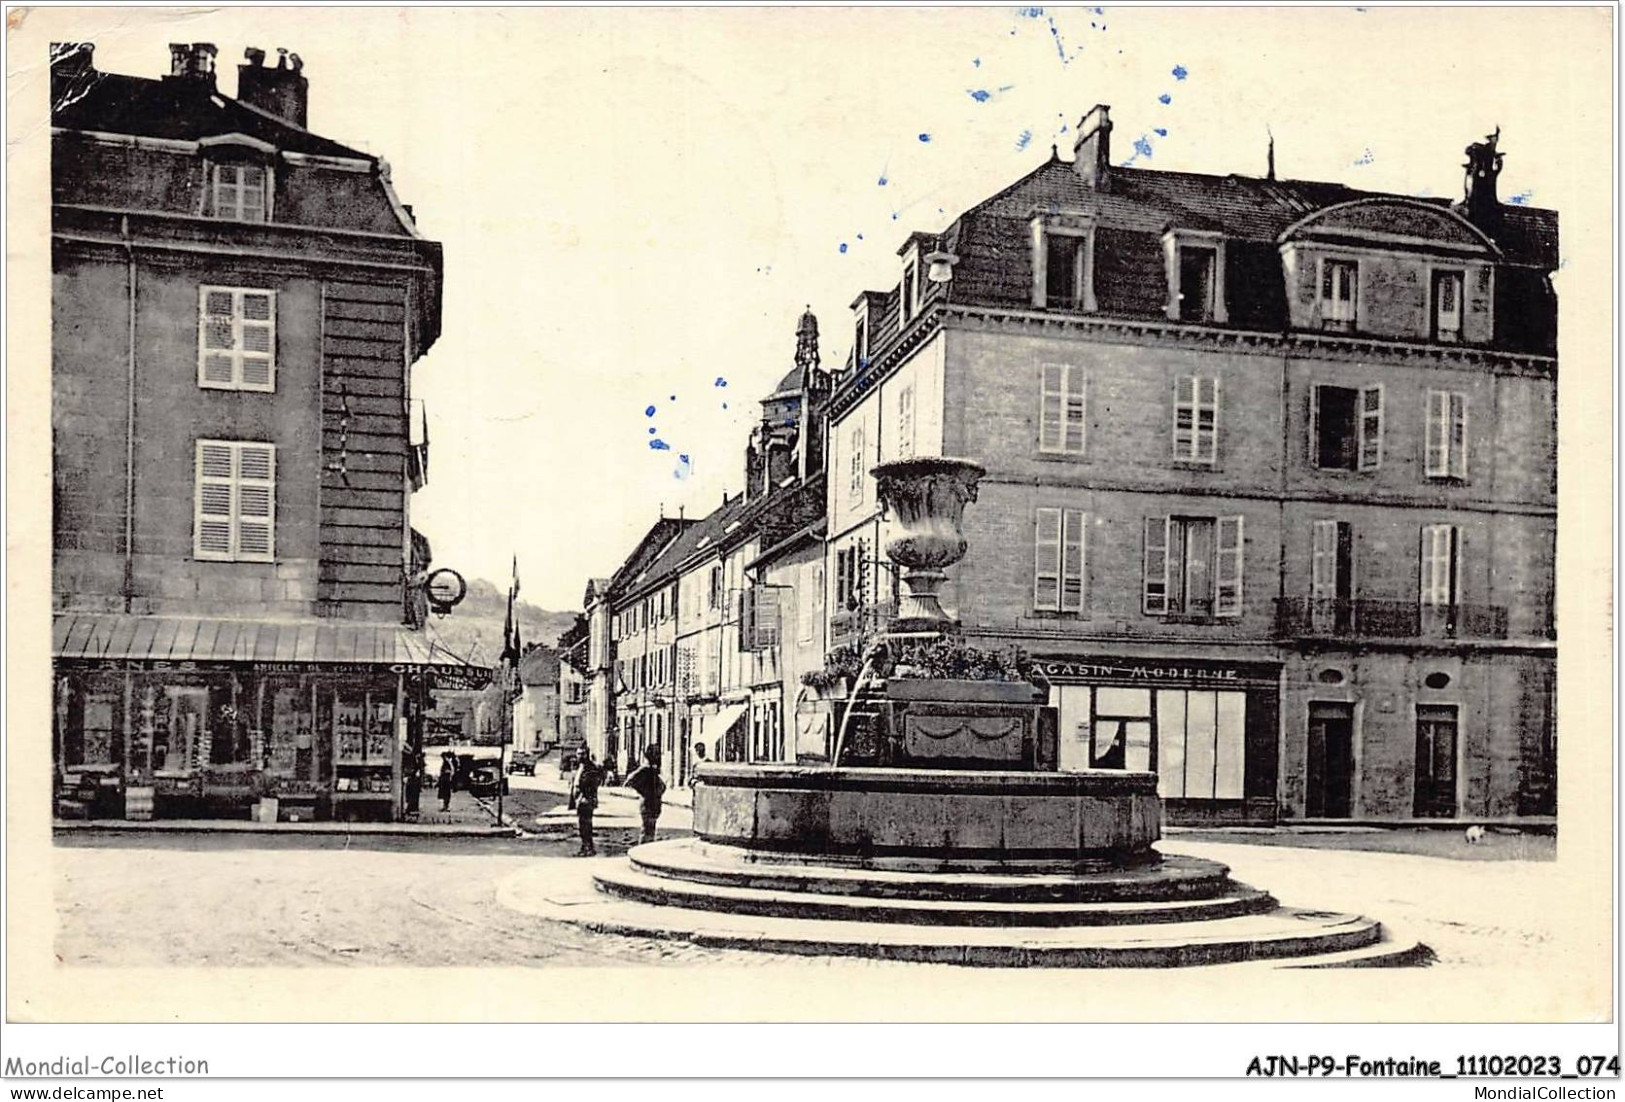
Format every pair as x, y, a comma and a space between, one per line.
645, 781
448, 779
584, 799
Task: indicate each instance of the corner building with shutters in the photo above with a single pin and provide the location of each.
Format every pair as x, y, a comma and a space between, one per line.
1271, 478
237, 304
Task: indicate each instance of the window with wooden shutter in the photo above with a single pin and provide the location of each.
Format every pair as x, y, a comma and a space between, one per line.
1072, 560
1447, 306
1155, 591
234, 512
856, 472
765, 629
1440, 571
1227, 563
1196, 419
905, 422
1062, 409
1446, 434
236, 347
1339, 282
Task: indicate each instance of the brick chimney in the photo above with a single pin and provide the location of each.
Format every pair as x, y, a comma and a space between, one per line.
1092, 152
192, 62
282, 91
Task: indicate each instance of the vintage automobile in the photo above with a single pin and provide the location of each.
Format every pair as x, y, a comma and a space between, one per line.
524, 761
484, 779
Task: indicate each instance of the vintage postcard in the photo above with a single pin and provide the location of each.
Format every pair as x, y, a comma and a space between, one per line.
936, 514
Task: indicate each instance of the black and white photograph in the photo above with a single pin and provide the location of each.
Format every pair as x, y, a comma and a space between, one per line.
735, 515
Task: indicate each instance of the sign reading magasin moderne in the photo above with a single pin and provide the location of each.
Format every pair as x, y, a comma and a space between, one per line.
1155, 671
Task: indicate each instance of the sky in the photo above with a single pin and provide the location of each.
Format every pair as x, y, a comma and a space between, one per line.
636, 205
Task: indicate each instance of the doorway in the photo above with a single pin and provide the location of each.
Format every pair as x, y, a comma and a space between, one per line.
1436, 734
1331, 761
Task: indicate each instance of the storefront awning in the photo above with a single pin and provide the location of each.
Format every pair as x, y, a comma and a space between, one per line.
131, 641
715, 728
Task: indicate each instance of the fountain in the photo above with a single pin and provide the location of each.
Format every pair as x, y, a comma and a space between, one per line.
942, 829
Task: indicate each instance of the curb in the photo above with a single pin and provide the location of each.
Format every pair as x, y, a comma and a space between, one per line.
234, 826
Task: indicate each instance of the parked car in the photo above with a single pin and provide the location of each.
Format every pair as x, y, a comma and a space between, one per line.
524, 761
484, 780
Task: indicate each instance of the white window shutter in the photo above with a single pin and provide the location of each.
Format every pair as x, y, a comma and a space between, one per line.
1207, 429
1051, 410
1072, 560
1228, 567
1438, 434
1047, 561
212, 527
1370, 428
1323, 561
1076, 410
1458, 435
1155, 584
1314, 426
1438, 564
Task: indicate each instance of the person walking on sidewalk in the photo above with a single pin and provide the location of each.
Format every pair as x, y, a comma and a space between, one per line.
448, 778
584, 799
645, 781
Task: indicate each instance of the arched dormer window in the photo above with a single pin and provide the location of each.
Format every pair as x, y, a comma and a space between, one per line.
239, 178
1399, 269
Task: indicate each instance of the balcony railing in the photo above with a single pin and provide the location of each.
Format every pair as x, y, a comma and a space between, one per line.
1296, 617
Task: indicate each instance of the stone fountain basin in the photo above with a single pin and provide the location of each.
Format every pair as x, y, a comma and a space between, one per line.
996, 816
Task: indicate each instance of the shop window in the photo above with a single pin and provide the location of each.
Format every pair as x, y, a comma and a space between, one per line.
182, 729
1201, 742
1447, 434
1058, 560
235, 501
1062, 409
1345, 428
1339, 292
236, 345
1121, 728
1193, 566
1196, 419
290, 732
88, 736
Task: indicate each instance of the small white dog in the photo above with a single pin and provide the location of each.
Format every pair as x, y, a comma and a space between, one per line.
1475, 835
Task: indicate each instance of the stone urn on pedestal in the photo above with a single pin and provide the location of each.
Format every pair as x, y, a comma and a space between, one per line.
926, 497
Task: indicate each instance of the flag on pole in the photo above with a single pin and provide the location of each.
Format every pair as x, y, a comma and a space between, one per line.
512, 645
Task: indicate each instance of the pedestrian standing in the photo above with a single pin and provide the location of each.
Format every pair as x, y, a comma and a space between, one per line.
645, 780
448, 778
584, 799
412, 766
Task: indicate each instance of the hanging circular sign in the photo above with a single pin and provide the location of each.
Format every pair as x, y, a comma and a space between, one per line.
445, 589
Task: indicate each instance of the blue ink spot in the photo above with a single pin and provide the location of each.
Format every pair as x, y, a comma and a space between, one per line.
925, 137
1180, 72
1165, 99
683, 469
1063, 128
1023, 138
1522, 198
659, 445
1365, 158
789, 422
1142, 147
980, 95
976, 61
1030, 13
843, 246
650, 412
674, 397
882, 181
1159, 131
652, 430
894, 216
860, 237
720, 381
724, 405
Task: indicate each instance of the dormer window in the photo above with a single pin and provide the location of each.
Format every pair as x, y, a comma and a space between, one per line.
239, 192
860, 341
1195, 270
1063, 262
1447, 306
909, 292
1339, 294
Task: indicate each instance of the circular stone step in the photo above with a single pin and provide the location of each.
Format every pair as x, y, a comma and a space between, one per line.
693, 861
629, 882
568, 895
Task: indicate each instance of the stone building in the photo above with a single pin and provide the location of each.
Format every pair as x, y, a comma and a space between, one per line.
536, 713
237, 304
1271, 485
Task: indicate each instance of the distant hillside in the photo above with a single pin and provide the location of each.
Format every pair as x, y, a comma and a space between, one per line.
473, 630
